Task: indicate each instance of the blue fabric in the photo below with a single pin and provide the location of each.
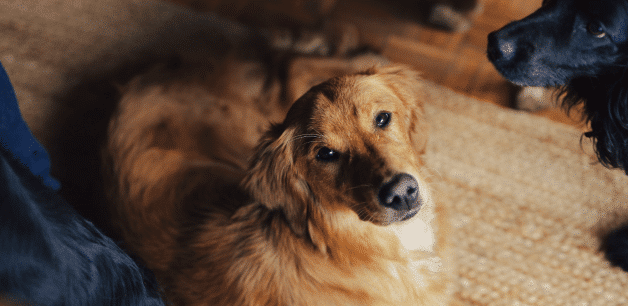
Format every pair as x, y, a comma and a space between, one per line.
50, 255
16, 137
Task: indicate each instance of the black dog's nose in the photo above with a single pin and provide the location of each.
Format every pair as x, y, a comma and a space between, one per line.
400, 193
500, 48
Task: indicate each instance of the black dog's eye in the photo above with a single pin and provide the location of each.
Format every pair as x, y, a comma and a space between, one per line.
383, 119
326, 154
596, 29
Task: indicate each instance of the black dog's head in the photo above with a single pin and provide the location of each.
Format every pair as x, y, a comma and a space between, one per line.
562, 40
581, 45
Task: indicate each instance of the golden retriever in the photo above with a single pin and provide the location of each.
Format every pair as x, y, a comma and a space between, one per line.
332, 209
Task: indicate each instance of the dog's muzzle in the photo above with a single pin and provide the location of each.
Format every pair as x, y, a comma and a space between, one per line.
512, 55
401, 194
500, 48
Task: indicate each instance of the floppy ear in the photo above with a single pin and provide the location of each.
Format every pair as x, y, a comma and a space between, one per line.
274, 180
405, 81
408, 86
605, 104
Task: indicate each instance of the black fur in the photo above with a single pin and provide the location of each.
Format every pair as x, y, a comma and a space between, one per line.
616, 247
581, 46
605, 104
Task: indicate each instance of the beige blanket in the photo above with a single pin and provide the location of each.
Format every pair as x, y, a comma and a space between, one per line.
528, 203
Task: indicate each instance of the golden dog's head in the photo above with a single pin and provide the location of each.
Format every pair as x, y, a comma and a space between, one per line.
349, 145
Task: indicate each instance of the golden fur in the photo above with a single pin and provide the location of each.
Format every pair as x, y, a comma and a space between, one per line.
289, 228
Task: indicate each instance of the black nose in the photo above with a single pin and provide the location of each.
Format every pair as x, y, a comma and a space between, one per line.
500, 48
400, 193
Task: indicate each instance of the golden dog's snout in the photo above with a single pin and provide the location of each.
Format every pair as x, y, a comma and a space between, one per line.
401, 193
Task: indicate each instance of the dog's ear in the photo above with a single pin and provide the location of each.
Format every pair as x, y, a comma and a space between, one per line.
405, 81
274, 179
408, 86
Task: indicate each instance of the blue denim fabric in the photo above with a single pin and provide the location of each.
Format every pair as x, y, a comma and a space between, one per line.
16, 137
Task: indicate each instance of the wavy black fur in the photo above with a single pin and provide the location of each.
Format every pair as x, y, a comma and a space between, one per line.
604, 101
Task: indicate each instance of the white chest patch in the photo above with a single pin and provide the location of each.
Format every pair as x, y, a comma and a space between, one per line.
417, 234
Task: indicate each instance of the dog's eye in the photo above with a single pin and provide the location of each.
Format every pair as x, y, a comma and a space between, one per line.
596, 29
383, 119
326, 154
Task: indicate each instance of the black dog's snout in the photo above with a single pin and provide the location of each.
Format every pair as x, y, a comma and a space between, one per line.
400, 193
501, 48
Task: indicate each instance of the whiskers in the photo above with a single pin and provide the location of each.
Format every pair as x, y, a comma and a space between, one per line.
315, 138
360, 186
363, 213
307, 136
428, 173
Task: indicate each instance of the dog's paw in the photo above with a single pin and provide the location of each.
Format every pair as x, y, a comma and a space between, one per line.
615, 247
535, 98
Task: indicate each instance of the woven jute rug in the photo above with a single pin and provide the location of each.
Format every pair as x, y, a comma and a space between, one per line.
529, 206
529, 202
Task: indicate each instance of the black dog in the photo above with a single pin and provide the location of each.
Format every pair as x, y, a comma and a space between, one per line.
582, 46
49, 255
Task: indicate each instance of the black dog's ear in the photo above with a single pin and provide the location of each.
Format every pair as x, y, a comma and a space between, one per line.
274, 180
604, 101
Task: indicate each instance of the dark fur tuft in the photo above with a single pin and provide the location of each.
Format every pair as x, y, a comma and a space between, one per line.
604, 101
615, 247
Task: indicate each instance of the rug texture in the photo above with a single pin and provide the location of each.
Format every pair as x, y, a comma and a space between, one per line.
529, 202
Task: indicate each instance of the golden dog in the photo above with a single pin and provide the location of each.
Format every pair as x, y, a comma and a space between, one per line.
333, 208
